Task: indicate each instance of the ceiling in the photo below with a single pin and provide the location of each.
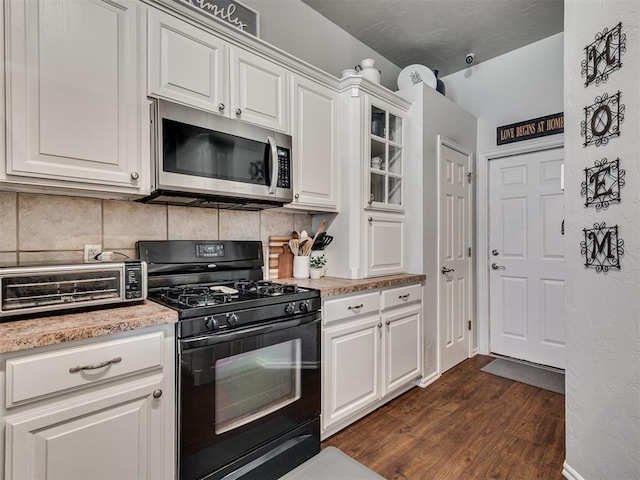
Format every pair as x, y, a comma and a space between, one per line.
440, 33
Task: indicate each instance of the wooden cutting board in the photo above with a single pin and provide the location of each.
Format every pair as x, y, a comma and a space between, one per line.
279, 249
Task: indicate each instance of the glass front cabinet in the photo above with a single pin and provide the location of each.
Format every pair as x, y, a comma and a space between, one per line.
385, 159
369, 233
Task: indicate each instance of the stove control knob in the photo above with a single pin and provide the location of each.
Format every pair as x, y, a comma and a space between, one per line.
304, 306
290, 309
232, 319
211, 323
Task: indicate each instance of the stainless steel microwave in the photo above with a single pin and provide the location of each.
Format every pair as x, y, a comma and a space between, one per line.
204, 159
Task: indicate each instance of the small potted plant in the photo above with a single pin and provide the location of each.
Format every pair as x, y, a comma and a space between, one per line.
316, 265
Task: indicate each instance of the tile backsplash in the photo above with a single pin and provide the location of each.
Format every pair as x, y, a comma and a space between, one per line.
36, 227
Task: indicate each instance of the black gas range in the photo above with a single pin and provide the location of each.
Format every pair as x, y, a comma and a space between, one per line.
248, 353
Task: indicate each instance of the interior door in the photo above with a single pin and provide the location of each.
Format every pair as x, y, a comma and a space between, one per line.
455, 243
526, 257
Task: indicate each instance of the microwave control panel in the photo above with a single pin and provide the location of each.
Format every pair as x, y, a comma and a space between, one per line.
284, 168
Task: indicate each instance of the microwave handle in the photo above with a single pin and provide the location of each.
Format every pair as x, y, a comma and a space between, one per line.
275, 165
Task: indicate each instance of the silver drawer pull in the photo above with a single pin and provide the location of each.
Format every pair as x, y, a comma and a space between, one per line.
357, 307
95, 366
404, 297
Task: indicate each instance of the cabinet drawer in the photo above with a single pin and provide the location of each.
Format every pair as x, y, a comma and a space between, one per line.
50, 373
400, 296
350, 306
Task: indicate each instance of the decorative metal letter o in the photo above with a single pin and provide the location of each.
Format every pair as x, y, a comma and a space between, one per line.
596, 117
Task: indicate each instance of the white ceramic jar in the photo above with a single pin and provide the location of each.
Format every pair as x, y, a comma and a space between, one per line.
369, 70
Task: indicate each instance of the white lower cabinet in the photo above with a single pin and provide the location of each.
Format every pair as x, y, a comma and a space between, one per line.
351, 368
402, 346
114, 419
371, 352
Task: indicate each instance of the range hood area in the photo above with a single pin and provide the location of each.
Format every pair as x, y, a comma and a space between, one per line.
188, 199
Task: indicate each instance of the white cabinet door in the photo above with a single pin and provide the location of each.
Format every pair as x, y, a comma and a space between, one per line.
402, 351
384, 252
74, 93
351, 368
186, 63
258, 90
315, 124
117, 435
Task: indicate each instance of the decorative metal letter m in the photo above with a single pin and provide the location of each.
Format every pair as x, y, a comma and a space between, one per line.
601, 247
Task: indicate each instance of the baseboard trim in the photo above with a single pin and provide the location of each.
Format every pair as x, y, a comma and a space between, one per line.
428, 380
474, 352
569, 473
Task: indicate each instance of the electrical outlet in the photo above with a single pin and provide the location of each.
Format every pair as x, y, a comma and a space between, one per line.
91, 251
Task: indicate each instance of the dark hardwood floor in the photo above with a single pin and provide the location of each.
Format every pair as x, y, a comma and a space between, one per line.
466, 425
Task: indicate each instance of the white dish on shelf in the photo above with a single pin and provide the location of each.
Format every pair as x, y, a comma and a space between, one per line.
416, 73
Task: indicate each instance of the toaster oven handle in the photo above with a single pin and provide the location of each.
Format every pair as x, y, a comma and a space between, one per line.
275, 165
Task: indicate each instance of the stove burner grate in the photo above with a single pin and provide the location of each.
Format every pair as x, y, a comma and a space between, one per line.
194, 296
266, 288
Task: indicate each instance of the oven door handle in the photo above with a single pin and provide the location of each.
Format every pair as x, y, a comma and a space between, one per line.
217, 338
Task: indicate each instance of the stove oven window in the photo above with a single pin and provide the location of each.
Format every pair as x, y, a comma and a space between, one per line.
253, 384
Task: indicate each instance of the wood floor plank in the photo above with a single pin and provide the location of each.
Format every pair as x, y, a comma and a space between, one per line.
467, 425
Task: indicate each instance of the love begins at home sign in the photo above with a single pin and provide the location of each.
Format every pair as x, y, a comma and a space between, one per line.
537, 127
229, 11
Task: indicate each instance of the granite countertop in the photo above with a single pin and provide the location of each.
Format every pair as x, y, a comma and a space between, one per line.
49, 330
329, 286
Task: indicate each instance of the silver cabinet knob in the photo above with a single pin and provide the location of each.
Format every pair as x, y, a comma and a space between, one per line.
370, 219
238, 112
135, 175
371, 199
379, 325
296, 196
221, 107
157, 393
388, 323
495, 266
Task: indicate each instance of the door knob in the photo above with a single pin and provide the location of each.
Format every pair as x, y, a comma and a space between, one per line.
446, 270
495, 266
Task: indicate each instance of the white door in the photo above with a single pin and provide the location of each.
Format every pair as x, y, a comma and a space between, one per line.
455, 242
526, 257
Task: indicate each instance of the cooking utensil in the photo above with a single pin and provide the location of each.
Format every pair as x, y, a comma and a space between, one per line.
295, 235
322, 241
302, 246
308, 246
294, 246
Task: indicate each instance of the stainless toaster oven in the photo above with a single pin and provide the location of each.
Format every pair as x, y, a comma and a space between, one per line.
44, 288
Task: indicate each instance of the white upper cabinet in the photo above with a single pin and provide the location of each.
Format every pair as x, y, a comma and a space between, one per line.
369, 234
192, 66
315, 130
186, 63
74, 91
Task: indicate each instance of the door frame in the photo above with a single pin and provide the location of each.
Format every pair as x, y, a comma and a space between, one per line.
482, 225
443, 141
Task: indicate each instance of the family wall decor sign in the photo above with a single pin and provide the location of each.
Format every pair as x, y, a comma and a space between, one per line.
229, 11
602, 246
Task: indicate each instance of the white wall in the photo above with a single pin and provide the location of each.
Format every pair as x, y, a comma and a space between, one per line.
602, 310
520, 85
296, 28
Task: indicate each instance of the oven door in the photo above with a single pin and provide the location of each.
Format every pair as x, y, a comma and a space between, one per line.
242, 391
